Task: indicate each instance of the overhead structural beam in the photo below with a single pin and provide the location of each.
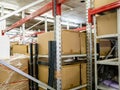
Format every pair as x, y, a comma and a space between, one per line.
21, 9
39, 12
46, 24
34, 25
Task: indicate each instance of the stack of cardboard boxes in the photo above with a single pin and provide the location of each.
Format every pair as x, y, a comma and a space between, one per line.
72, 43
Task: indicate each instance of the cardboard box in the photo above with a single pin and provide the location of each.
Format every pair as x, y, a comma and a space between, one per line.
9, 76
21, 49
4, 47
13, 43
70, 42
99, 3
83, 43
11, 47
83, 75
107, 24
23, 85
70, 75
105, 47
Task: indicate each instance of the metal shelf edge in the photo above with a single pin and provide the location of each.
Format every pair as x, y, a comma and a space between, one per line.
65, 56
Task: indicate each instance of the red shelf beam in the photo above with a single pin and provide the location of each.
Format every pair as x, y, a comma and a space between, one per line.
82, 28
111, 6
39, 12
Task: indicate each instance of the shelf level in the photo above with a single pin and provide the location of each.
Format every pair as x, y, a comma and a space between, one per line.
66, 56
109, 62
103, 87
109, 36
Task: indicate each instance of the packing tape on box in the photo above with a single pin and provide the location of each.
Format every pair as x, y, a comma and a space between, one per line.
58, 74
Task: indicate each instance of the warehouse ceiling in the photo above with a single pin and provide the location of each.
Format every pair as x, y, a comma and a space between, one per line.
73, 13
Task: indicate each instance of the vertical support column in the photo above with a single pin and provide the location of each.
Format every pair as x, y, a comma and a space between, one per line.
95, 54
89, 47
35, 66
31, 66
46, 24
23, 28
118, 28
2, 22
68, 26
52, 59
20, 33
58, 52
57, 35
80, 25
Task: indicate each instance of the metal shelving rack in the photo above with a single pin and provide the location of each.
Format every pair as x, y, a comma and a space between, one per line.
114, 61
89, 46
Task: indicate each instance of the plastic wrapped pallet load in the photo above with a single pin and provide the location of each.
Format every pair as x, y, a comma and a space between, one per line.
70, 42
9, 79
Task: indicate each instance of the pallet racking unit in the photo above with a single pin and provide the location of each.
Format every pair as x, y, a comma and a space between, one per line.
57, 5
113, 61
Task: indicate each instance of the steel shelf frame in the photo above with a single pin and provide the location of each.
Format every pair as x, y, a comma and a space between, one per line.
66, 56
103, 87
92, 19
107, 36
40, 11
89, 46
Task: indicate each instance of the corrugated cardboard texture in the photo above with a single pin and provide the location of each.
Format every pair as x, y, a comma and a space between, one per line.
23, 85
99, 3
107, 24
21, 49
70, 42
9, 76
83, 43
105, 47
70, 75
13, 43
83, 75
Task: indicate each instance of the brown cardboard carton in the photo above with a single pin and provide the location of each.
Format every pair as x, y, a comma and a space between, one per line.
13, 43
70, 42
9, 76
22, 85
70, 75
107, 24
83, 75
21, 49
83, 43
105, 47
99, 3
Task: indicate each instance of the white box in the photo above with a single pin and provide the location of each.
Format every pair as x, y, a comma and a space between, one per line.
4, 47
